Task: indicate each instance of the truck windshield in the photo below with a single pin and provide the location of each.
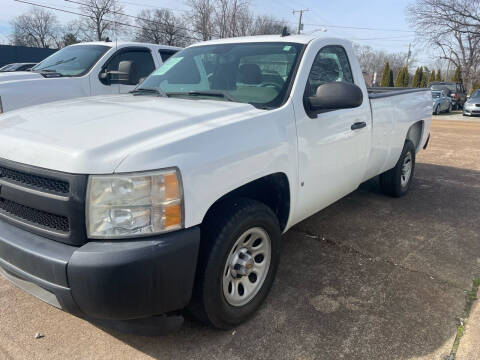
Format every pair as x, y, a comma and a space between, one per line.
72, 60
255, 73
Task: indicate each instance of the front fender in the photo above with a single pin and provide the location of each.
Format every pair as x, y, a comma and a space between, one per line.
17, 94
221, 157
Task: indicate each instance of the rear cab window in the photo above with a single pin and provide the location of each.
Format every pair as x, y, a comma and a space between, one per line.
165, 54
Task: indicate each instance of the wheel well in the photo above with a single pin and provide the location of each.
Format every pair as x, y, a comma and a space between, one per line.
272, 190
415, 134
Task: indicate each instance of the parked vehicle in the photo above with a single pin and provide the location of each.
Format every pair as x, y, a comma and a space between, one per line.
17, 67
176, 195
84, 69
472, 106
441, 102
454, 90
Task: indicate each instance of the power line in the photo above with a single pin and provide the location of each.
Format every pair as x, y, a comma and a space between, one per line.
91, 17
138, 18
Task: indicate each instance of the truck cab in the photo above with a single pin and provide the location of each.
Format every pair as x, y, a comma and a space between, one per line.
86, 69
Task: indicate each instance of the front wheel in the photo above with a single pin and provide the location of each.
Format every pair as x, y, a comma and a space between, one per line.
449, 110
437, 110
396, 182
237, 264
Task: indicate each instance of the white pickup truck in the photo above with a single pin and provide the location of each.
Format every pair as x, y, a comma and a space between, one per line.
175, 196
86, 69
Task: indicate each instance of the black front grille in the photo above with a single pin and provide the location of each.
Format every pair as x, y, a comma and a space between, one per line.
477, 105
34, 181
34, 216
45, 202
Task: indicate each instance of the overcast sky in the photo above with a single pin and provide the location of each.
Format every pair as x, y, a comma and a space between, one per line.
384, 16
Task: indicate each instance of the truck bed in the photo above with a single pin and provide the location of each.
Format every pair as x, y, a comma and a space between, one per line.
380, 92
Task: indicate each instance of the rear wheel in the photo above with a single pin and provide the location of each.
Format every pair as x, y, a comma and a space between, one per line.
396, 182
237, 265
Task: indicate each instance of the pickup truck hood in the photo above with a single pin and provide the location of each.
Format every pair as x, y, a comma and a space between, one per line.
93, 135
19, 75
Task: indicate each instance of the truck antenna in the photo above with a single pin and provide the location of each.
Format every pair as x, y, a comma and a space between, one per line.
285, 31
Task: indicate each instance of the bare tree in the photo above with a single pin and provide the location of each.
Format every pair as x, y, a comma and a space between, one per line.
268, 25
102, 18
37, 27
453, 26
202, 18
372, 61
232, 18
161, 26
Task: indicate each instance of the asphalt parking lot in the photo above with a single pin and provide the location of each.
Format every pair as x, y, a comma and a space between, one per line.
370, 277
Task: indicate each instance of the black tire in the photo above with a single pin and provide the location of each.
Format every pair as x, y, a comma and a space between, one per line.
449, 110
437, 110
219, 233
391, 180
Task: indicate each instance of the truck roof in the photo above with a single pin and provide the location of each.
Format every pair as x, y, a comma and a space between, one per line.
301, 39
126, 43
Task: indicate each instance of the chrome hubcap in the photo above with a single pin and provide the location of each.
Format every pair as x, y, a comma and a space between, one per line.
246, 267
406, 169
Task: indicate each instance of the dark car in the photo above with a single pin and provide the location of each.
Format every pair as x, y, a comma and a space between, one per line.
454, 90
17, 67
472, 106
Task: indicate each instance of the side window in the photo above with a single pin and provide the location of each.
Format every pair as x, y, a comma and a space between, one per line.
330, 65
165, 54
141, 59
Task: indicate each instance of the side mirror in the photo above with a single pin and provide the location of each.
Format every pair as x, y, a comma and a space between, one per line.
335, 96
125, 75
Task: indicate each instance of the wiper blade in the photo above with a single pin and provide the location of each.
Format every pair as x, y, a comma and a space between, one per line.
49, 73
158, 92
55, 64
216, 93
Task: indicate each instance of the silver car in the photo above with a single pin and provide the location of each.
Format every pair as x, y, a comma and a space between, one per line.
441, 102
472, 106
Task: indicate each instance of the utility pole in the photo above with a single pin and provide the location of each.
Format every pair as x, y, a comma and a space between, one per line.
300, 25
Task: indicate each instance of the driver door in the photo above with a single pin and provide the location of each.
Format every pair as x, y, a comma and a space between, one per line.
332, 154
137, 61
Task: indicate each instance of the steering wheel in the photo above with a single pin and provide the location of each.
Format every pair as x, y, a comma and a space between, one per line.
272, 84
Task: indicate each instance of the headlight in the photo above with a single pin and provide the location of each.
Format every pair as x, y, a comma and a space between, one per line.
139, 204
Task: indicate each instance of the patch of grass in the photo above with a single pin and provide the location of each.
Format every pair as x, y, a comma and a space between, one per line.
470, 297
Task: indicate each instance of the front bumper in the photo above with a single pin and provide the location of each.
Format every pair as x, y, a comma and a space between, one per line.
110, 280
471, 111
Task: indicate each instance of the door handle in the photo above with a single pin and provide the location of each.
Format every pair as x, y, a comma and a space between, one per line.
358, 125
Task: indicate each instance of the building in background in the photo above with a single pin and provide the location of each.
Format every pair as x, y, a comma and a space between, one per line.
21, 54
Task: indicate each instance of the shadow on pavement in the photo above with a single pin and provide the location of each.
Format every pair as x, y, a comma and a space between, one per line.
369, 277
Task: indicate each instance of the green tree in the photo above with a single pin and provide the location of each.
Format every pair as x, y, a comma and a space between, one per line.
391, 83
402, 78
457, 77
475, 87
424, 81
439, 76
406, 77
385, 75
432, 76
417, 78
